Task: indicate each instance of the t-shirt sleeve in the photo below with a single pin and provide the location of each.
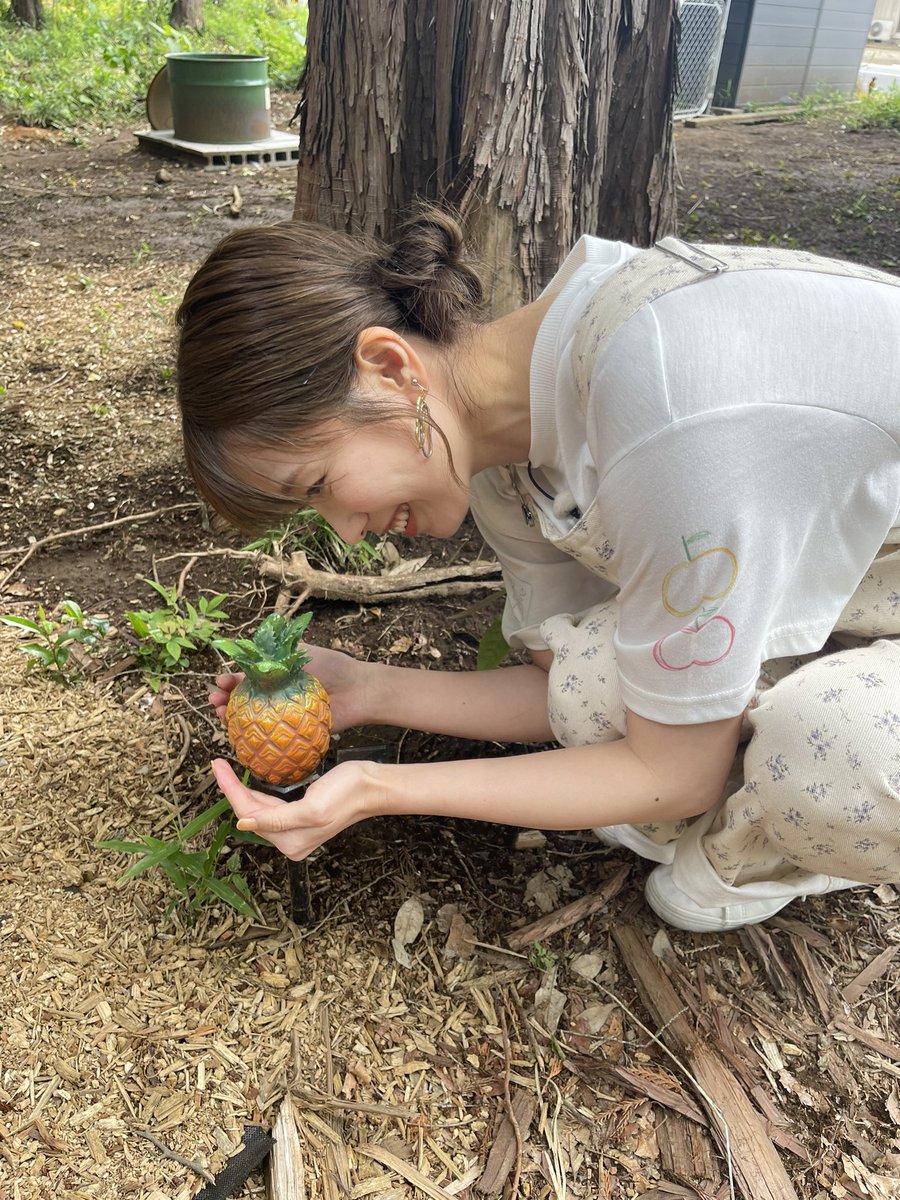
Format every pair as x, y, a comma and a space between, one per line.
541, 581
741, 535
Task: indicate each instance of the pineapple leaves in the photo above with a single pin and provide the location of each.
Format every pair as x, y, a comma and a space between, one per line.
273, 649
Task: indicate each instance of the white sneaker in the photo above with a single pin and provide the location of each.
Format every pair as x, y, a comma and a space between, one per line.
629, 838
676, 907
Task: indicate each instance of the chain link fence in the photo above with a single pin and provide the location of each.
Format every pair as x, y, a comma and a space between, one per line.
699, 49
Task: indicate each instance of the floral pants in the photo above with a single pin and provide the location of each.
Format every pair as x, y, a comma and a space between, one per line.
813, 803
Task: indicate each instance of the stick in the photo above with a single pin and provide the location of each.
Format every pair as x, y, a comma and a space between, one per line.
174, 1156
286, 1177
734, 1122
67, 533
570, 914
27, 551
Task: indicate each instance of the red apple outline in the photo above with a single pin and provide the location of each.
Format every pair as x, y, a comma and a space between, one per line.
695, 662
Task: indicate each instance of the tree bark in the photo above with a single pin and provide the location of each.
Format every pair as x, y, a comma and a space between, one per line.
539, 120
187, 14
28, 12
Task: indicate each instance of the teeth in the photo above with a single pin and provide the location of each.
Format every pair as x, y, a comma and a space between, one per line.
398, 525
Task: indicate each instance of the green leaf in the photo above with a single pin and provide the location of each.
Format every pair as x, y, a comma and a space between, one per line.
41, 653
213, 813
493, 647
230, 895
170, 595
176, 875
218, 841
137, 621
122, 847
144, 864
247, 835
22, 623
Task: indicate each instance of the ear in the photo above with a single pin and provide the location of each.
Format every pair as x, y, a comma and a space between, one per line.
387, 362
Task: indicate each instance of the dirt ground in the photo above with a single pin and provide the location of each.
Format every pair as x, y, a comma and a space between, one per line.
135, 1048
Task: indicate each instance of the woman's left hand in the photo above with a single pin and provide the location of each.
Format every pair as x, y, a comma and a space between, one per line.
343, 796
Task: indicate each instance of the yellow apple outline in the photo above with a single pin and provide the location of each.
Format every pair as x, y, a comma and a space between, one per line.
705, 599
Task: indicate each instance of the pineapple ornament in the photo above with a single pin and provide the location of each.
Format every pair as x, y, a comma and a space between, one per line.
278, 718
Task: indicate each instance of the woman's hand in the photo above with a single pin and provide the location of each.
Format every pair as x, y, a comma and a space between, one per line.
346, 794
343, 678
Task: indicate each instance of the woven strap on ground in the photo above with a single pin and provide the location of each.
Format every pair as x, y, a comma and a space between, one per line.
255, 1145
672, 264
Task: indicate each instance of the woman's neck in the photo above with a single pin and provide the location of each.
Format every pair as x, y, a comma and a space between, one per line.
492, 376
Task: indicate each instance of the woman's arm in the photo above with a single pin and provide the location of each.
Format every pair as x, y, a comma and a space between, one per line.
656, 773
506, 705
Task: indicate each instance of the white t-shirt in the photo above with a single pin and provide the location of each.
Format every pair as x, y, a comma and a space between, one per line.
737, 465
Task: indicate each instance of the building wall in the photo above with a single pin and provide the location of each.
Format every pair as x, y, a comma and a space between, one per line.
888, 10
740, 14
794, 49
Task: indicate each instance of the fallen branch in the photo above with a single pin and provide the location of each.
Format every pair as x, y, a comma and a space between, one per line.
69, 533
27, 551
570, 914
296, 575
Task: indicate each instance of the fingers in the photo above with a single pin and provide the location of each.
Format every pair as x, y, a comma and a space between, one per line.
256, 811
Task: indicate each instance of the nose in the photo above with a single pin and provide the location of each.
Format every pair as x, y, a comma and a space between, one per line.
350, 527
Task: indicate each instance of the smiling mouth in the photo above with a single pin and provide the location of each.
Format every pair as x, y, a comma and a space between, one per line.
400, 520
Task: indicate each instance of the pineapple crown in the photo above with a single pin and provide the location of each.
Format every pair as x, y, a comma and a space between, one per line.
272, 653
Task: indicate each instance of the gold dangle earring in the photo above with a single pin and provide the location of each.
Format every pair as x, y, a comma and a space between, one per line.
423, 422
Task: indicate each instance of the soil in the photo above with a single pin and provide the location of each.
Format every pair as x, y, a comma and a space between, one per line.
99, 239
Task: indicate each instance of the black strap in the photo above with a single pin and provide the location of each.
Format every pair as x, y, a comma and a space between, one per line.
255, 1147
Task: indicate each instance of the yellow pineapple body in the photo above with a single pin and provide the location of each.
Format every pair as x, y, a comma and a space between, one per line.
281, 737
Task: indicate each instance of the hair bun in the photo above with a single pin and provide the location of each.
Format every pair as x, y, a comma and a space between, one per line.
427, 277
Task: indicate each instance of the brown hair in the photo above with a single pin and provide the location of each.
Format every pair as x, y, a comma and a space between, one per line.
268, 328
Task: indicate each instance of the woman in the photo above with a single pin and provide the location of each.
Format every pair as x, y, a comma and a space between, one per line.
687, 463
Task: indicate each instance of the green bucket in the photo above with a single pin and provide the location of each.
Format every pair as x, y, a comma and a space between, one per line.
219, 99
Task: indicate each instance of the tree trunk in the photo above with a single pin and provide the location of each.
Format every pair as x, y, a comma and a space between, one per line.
187, 14
538, 119
28, 12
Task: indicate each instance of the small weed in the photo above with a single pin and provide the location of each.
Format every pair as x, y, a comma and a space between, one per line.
92, 62
193, 873
541, 958
325, 549
169, 635
166, 373
493, 647
52, 650
143, 251
158, 304
877, 110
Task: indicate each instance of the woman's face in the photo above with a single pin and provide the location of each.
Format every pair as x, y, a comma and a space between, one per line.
371, 479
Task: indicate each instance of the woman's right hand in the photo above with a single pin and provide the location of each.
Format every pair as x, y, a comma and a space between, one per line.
342, 677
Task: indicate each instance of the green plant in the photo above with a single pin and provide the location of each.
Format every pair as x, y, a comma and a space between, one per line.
93, 61
876, 110
308, 531
541, 958
168, 635
493, 647
52, 650
194, 873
